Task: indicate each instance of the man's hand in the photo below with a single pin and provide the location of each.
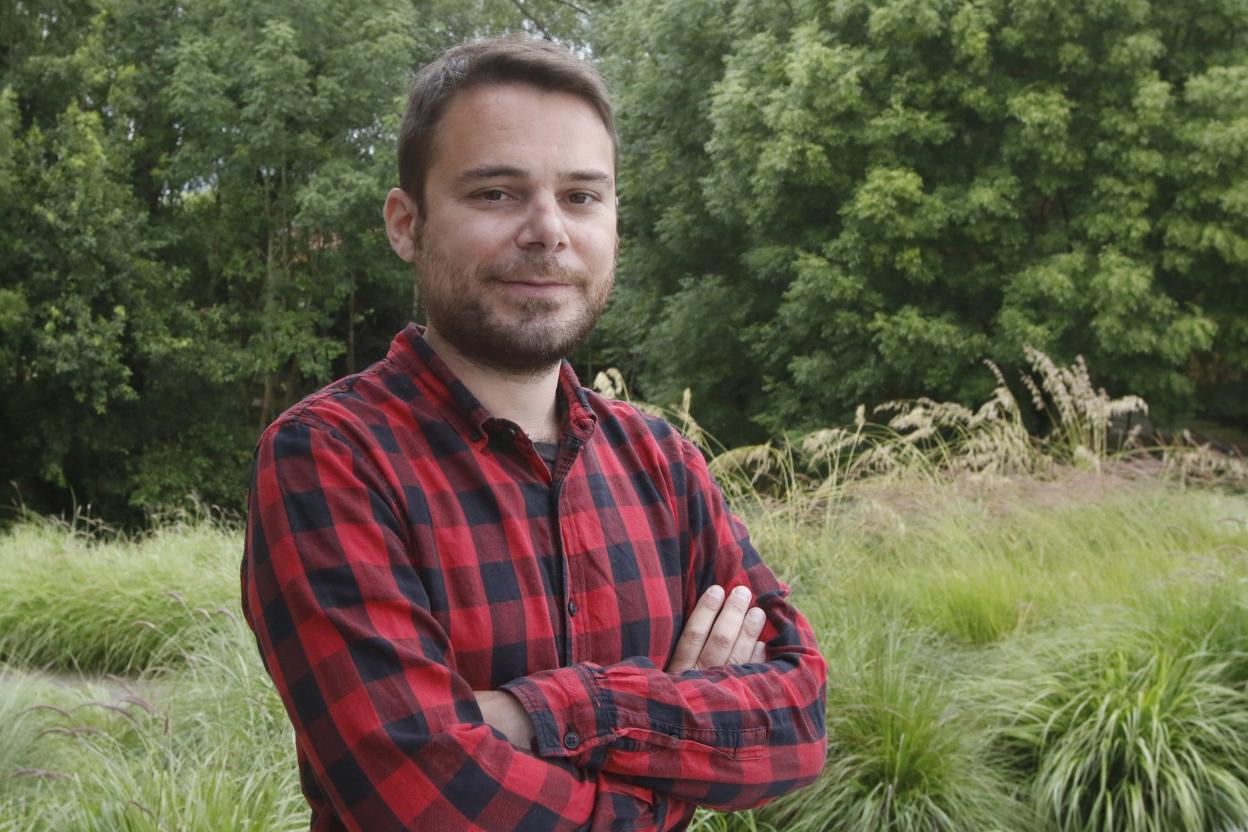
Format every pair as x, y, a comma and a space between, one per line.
503, 711
719, 632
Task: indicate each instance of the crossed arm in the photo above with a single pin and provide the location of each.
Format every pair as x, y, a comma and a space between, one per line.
717, 633
397, 739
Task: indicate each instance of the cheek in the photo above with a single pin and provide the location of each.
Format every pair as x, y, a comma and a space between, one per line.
467, 240
601, 245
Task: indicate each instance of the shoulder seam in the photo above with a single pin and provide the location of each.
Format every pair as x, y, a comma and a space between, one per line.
315, 422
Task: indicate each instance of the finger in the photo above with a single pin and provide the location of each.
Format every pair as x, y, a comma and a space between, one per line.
697, 628
727, 627
750, 628
759, 654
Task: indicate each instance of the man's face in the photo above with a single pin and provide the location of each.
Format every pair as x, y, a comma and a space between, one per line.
516, 248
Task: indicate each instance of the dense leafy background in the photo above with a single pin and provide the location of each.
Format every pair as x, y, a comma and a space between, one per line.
824, 203
837, 202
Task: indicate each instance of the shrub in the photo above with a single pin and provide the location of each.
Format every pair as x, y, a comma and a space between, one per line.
75, 603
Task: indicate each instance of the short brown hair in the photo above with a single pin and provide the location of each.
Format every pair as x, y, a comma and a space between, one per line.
500, 60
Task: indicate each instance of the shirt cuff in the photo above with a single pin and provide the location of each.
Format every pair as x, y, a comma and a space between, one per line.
571, 714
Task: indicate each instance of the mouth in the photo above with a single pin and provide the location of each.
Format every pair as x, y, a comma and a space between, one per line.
538, 281
537, 273
535, 288
531, 282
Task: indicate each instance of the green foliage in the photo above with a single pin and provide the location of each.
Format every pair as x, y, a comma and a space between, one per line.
1128, 730
208, 751
20, 752
905, 751
891, 192
1115, 683
1155, 745
190, 231
823, 204
73, 604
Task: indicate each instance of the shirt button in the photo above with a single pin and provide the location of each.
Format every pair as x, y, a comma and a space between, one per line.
571, 740
572, 608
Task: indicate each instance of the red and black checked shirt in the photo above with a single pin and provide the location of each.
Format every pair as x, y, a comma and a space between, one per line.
404, 548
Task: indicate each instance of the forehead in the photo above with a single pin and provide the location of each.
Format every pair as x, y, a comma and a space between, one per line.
519, 125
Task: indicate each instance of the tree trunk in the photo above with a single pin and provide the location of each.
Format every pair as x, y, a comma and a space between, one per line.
351, 330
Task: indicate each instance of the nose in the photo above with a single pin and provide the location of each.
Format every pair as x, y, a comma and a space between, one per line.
543, 228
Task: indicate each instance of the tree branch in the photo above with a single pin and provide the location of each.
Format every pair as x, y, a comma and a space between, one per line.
529, 17
574, 7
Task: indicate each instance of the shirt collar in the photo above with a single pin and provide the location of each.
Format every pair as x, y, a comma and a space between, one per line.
412, 352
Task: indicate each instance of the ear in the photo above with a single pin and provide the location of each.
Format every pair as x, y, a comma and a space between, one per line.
401, 217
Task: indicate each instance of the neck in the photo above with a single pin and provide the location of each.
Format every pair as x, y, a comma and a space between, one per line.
529, 400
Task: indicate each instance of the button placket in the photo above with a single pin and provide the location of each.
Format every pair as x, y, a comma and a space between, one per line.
572, 563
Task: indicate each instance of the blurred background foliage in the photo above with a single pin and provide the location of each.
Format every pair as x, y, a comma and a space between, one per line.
822, 203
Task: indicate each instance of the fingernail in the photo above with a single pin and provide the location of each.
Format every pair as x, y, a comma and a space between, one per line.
741, 593
715, 593
755, 615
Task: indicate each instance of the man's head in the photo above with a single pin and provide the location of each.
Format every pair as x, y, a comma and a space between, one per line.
507, 204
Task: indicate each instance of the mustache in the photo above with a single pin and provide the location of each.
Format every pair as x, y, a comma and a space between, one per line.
540, 269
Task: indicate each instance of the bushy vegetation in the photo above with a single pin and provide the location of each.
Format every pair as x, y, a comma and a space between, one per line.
207, 749
1030, 657
832, 201
1004, 655
821, 203
74, 605
190, 228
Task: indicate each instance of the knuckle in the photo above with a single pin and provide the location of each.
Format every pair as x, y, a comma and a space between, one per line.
693, 636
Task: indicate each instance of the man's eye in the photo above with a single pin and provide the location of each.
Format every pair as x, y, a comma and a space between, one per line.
493, 195
582, 198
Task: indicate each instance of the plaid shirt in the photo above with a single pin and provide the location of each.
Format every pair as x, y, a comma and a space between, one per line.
404, 548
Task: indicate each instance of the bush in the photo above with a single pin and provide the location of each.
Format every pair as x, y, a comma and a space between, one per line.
73, 603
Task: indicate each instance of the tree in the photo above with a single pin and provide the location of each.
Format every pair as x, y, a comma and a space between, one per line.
873, 197
190, 232
170, 248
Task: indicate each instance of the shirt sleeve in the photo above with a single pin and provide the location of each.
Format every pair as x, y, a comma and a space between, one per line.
730, 737
393, 735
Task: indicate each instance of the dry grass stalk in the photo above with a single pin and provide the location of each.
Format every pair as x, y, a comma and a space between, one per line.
1082, 416
1187, 460
937, 441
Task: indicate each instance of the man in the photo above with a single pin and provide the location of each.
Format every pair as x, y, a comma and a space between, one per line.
489, 598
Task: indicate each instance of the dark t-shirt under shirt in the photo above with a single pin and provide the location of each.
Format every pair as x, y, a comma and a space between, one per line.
547, 451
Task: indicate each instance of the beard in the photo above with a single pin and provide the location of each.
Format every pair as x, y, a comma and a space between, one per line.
523, 336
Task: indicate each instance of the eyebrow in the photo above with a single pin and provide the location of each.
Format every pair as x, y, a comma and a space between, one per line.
513, 172
588, 176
